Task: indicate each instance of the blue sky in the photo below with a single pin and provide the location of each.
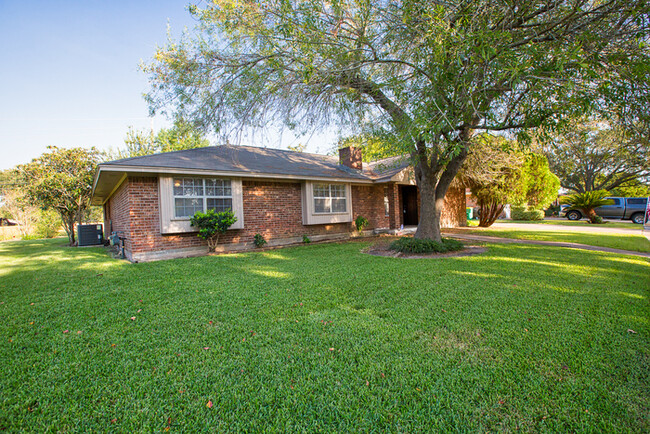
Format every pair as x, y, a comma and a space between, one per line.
69, 73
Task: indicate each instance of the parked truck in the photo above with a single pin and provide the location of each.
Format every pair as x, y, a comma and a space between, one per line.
623, 208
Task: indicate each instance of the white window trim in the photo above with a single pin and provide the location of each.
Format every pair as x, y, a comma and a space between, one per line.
170, 224
311, 217
203, 198
329, 187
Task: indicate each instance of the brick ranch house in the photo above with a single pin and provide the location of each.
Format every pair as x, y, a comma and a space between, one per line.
279, 194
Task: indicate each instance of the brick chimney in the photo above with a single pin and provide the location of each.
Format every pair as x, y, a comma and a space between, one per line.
351, 157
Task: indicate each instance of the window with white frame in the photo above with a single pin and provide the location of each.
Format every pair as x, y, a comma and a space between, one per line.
330, 199
201, 194
386, 202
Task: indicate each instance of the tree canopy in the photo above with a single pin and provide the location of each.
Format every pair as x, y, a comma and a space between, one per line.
181, 136
427, 74
597, 155
61, 179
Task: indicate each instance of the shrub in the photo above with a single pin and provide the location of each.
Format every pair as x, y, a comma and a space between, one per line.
305, 239
360, 222
416, 245
523, 213
211, 224
48, 224
259, 240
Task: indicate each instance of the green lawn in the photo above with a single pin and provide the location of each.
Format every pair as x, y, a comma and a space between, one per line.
324, 338
633, 242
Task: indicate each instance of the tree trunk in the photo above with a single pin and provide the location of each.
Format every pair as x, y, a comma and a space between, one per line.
68, 225
430, 212
489, 214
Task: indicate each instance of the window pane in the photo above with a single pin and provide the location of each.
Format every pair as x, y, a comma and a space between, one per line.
321, 205
337, 190
187, 207
220, 205
321, 190
338, 205
178, 187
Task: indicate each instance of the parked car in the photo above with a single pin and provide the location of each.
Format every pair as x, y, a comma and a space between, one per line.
624, 208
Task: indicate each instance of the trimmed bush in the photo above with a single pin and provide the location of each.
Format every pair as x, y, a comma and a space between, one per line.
523, 213
211, 224
416, 245
360, 222
259, 240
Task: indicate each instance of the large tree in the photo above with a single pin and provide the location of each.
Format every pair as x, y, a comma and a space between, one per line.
596, 155
428, 74
182, 135
62, 180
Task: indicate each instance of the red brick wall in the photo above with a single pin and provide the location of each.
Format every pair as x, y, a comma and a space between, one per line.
273, 209
368, 201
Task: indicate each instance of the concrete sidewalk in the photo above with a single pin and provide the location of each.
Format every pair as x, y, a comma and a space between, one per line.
483, 238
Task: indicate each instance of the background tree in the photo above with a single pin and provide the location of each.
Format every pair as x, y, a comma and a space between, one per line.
20, 209
428, 74
540, 187
633, 188
594, 155
62, 180
139, 142
493, 172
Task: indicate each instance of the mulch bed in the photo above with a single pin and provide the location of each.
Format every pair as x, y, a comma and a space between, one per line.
381, 248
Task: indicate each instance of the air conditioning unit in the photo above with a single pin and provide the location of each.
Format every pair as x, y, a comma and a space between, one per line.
90, 235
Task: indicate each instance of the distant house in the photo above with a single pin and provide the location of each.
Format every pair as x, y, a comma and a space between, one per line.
279, 194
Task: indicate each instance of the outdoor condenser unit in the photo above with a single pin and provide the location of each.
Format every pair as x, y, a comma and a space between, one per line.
90, 235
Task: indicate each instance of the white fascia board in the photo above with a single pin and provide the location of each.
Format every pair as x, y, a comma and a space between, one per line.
238, 174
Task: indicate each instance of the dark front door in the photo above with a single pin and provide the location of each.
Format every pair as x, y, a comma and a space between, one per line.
410, 205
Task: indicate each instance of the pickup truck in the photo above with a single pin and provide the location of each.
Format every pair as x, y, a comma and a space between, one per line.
624, 208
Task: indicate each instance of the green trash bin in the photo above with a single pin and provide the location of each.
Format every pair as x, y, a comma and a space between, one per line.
469, 212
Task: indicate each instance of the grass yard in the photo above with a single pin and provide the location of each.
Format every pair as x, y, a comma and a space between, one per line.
324, 338
633, 242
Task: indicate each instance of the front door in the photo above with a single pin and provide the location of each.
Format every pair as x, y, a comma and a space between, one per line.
410, 205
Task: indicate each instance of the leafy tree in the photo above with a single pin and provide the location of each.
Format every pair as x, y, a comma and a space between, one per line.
20, 209
594, 155
633, 188
540, 186
427, 74
587, 202
297, 148
181, 136
211, 224
62, 180
493, 171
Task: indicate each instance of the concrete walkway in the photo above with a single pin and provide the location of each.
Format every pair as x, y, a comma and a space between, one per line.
483, 238
540, 227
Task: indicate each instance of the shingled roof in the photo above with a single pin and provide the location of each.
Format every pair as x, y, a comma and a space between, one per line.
250, 161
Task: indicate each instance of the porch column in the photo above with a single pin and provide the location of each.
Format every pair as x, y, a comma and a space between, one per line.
394, 206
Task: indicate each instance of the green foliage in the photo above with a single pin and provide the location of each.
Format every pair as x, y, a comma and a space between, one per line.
539, 186
360, 222
493, 170
211, 224
527, 214
61, 180
419, 245
181, 136
424, 76
596, 155
48, 224
305, 239
259, 240
633, 188
587, 202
